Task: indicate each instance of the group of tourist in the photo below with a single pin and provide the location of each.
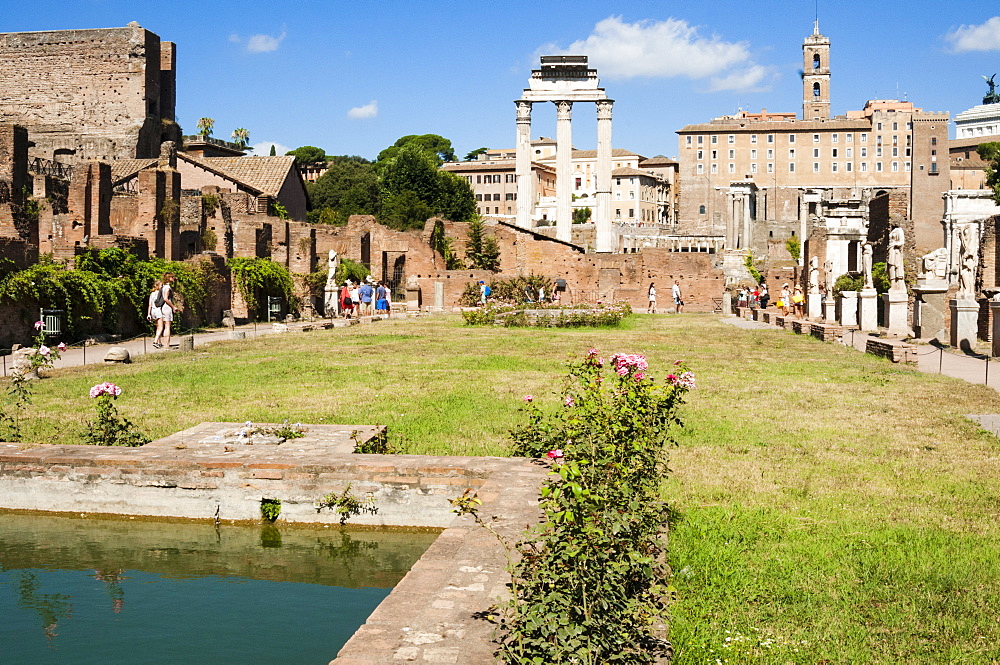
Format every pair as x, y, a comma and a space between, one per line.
675, 293
160, 309
359, 299
790, 301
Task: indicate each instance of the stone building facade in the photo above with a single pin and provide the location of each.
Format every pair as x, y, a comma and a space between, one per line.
89, 94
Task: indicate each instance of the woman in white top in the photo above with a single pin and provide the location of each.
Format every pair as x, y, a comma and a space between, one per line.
167, 310
651, 309
153, 310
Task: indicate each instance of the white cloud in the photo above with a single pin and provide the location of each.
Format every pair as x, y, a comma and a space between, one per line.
985, 37
264, 148
265, 43
750, 79
234, 38
651, 48
369, 110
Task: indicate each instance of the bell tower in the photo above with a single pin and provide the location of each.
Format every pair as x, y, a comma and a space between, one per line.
816, 76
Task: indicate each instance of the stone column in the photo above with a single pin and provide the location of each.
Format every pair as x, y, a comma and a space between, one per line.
731, 222
849, 309
747, 224
995, 332
525, 183
964, 323
564, 171
869, 310
605, 232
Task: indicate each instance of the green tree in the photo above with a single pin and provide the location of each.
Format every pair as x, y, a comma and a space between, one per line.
241, 137
350, 186
990, 153
794, 247
437, 146
473, 154
308, 154
205, 126
413, 189
481, 250
273, 152
581, 215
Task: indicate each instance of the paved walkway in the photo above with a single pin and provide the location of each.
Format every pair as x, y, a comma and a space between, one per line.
931, 358
92, 354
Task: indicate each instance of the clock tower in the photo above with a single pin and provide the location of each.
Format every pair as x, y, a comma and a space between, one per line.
816, 76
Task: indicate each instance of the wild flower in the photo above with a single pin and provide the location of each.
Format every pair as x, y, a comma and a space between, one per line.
624, 363
105, 388
555, 454
529, 398
39, 325
62, 347
569, 401
44, 350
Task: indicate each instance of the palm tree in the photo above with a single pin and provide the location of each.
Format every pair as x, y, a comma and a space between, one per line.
241, 136
205, 127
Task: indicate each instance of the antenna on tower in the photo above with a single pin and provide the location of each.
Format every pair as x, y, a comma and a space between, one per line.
816, 19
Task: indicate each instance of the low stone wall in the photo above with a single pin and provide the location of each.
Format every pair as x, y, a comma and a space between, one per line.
827, 332
800, 326
894, 350
435, 614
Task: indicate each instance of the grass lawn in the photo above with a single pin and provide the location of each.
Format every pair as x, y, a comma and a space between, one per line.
832, 507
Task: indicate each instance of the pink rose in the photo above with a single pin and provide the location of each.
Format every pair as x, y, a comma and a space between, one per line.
62, 347
39, 325
44, 350
555, 454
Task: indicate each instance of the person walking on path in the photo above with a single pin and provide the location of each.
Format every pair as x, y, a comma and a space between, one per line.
798, 300
167, 311
678, 303
366, 292
651, 308
786, 299
153, 313
346, 304
764, 296
382, 298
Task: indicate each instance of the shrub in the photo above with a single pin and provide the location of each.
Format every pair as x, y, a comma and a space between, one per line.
588, 584
111, 428
848, 282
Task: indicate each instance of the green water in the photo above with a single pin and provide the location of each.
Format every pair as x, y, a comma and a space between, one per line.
101, 591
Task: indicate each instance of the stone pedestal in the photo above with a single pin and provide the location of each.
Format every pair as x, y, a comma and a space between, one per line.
187, 343
814, 306
929, 310
439, 296
964, 323
830, 310
868, 309
849, 309
412, 298
896, 313
995, 332
727, 303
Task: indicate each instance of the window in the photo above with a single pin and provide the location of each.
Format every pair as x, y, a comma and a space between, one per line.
715, 154
815, 167
815, 89
815, 153
687, 140
732, 168
879, 127
479, 197
631, 193
732, 138
579, 182
895, 167
496, 210
864, 138
715, 138
770, 168
850, 166
907, 153
849, 138
701, 168
791, 138
618, 212
618, 194
906, 166
770, 138
834, 138
850, 153
509, 197
508, 210
791, 167
833, 152
933, 140
701, 210
618, 181
753, 154
770, 153
878, 167
701, 155
753, 168
815, 60
510, 177
732, 154
496, 197
895, 126
895, 152
479, 179
631, 212
791, 153
753, 138
878, 151
864, 166
834, 167
864, 152
701, 139
815, 138
878, 140
715, 168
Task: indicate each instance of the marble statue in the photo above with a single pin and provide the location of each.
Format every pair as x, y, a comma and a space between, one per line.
894, 262
992, 97
968, 261
814, 274
866, 262
828, 270
330, 299
934, 265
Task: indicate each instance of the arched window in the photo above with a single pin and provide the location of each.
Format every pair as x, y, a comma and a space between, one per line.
815, 89
701, 210
815, 60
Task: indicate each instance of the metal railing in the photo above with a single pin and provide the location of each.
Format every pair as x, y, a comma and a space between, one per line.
42, 166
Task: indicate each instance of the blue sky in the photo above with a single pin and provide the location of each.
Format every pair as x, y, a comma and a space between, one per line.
352, 77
